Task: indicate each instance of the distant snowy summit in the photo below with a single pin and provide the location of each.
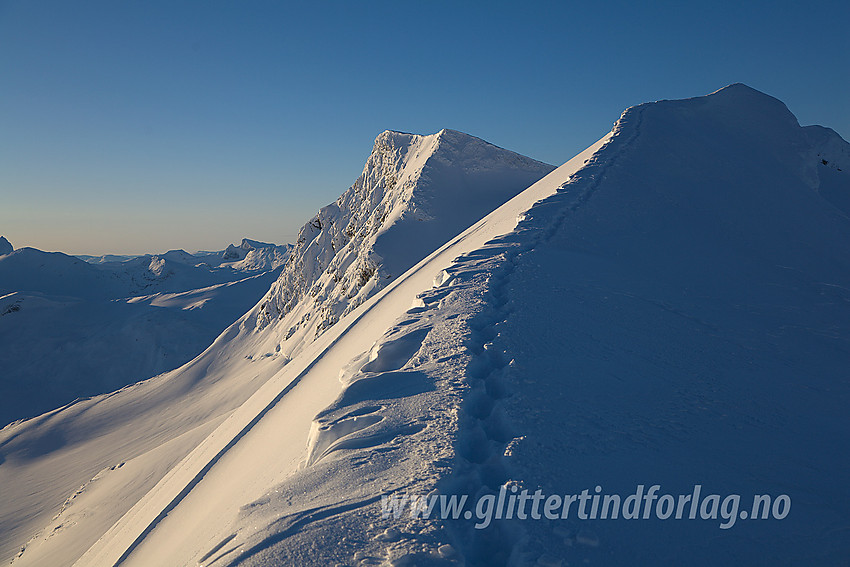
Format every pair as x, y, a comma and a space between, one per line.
254, 255
414, 194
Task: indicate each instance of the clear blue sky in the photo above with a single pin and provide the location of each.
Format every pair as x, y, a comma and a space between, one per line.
141, 126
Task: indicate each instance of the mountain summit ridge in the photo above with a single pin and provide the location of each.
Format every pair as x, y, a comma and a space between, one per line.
415, 192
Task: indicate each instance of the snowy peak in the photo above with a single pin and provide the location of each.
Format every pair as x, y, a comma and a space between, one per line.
5, 246
766, 129
414, 194
253, 255
472, 153
732, 171
233, 253
248, 244
737, 93
820, 156
738, 107
248, 256
179, 256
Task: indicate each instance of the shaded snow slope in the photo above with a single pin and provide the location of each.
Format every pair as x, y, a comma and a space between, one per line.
832, 155
5, 246
71, 329
148, 427
56, 349
681, 316
54, 273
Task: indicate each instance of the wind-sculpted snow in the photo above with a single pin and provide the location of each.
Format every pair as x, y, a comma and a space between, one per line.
415, 193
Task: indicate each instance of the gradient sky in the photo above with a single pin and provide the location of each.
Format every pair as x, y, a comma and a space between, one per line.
142, 126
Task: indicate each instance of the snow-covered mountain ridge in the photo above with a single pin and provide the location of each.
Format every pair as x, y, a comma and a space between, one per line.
414, 194
253, 255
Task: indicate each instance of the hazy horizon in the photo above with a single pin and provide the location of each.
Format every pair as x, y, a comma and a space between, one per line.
157, 250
